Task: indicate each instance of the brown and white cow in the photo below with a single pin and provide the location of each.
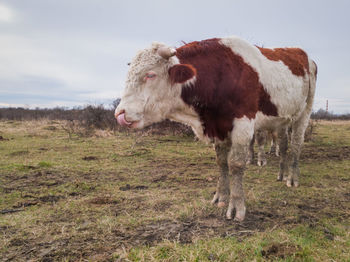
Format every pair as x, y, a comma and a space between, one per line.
225, 89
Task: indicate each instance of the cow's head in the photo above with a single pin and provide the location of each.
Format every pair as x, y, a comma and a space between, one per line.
153, 86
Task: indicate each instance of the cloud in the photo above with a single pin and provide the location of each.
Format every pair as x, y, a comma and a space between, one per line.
6, 14
88, 69
76, 51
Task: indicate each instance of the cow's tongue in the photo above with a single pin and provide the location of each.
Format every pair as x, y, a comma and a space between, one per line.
122, 121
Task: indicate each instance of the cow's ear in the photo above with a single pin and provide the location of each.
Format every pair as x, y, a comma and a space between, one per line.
181, 73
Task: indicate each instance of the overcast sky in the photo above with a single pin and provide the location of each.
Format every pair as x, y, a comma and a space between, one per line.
75, 52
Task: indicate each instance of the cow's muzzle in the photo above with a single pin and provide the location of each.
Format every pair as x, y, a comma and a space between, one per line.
121, 119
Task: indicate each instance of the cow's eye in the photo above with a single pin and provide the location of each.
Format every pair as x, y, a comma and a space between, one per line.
151, 75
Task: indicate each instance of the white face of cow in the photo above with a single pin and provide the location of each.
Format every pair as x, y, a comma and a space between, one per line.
149, 94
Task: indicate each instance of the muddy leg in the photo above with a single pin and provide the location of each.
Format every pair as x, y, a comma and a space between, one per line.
222, 189
298, 131
241, 136
283, 146
236, 169
261, 139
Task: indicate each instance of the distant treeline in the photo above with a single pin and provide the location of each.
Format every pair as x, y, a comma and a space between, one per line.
87, 117
323, 114
60, 113
103, 115
97, 116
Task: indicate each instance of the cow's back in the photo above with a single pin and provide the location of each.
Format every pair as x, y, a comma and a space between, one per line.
236, 79
283, 72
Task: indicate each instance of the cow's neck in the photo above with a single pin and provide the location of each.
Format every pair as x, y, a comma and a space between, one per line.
187, 115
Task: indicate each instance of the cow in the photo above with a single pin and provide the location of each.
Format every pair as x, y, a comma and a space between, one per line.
261, 137
225, 89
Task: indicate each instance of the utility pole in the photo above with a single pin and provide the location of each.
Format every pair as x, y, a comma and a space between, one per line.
327, 106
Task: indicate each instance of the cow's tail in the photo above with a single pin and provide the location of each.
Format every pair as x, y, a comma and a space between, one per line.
312, 85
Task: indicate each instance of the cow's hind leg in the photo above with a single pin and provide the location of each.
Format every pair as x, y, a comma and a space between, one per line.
261, 139
222, 189
297, 140
298, 130
250, 155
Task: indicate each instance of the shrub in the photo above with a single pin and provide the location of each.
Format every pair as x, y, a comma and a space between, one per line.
83, 121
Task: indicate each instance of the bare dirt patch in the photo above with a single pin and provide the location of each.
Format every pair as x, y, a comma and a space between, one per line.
129, 187
33, 180
90, 158
103, 200
162, 206
279, 250
3, 139
186, 231
313, 153
8, 211
214, 224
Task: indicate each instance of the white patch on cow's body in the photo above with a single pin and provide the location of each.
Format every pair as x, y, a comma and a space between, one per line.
288, 91
243, 131
266, 122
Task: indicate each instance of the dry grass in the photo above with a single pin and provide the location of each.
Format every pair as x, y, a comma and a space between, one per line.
333, 122
128, 197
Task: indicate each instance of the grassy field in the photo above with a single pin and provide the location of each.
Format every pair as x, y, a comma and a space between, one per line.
133, 197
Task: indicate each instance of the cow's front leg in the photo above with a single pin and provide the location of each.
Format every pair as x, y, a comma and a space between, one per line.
222, 189
241, 135
283, 146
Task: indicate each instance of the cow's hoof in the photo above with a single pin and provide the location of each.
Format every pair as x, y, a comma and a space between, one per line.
262, 162
280, 177
221, 204
239, 218
219, 199
229, 215
292, 182
240, 214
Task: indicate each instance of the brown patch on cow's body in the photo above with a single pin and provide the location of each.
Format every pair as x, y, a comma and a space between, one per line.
226, 87
295, 58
